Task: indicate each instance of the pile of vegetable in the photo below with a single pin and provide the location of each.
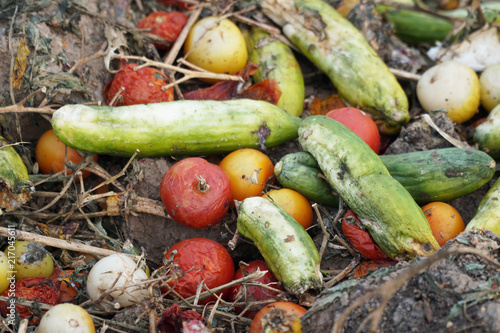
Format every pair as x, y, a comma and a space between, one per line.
271, 126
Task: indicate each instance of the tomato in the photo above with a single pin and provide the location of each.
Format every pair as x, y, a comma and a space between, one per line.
249, 170
173, 319
50, 154
366, 267
67, 292
254, 293
216, 45
4, 272
38, 289
31, 260
294, 203
66, 318
167, 25
360, 123
360, 239
256, 325
196, 193
140, 86
199, 260
445, 221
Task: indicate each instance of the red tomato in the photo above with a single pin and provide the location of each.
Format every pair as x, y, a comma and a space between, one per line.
256, 326
167, 25
254, 293
37, 289
196, 193
199, 260
360, 123
50, 154
140, 86
360, 239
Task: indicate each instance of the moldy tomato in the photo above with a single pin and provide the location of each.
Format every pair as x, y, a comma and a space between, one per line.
199, 260
360, 239
196, 193
445, 221
249, 170
360, 123
256, 326
51, 154
140, 86
167, 25
254, 293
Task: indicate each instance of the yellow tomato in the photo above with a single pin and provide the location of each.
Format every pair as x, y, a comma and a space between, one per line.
249, 170
445, 221
31, 260
4, 269
217, 46
294, 203
66, 318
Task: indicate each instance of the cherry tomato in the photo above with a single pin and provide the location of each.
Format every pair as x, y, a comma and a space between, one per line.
216, 45
294, 203
140, 86
360, 239
167, 25
249, 170
445, 221
360, 123
254, 293
256, 325
196, 193
38, 289
199, 260
50, 154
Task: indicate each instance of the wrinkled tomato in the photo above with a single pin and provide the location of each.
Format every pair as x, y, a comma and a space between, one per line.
139, 86
173, 318
253, 293
36, 289
199, 260
360, 239
167, 25
196, 193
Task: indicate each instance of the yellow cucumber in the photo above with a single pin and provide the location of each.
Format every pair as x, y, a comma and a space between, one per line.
277, 61
388, 211
285, 245
174, 128
336, 47
488, 211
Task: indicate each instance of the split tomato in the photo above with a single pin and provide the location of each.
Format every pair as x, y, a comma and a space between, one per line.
51, 154
360, 239
360, 123
256, 325
167, 25
253, 293
141, 86
196, 261
249, 170
445, 221
196, 193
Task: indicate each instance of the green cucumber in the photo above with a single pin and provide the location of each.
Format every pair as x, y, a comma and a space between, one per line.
336, 47
487, 134
174, 128
15, 186
488, 211
287, 248
388, 211
277, 61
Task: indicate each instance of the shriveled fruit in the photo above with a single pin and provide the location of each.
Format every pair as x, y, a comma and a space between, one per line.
167, 25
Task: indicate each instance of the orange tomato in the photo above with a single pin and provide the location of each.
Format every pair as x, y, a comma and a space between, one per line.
256, 325
445, 221
294, 203
50, 154
249, 170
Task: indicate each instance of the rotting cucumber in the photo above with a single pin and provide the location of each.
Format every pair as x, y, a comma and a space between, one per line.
287, 248
388, 211
488, 211
174, 128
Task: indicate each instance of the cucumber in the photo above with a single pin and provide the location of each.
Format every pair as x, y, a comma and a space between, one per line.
336, 47
174, 128
285, 245
277, 61
15, 186
488, 211
487, 134
388, 211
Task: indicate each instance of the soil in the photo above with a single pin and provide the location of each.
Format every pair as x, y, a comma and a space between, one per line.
457, 293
